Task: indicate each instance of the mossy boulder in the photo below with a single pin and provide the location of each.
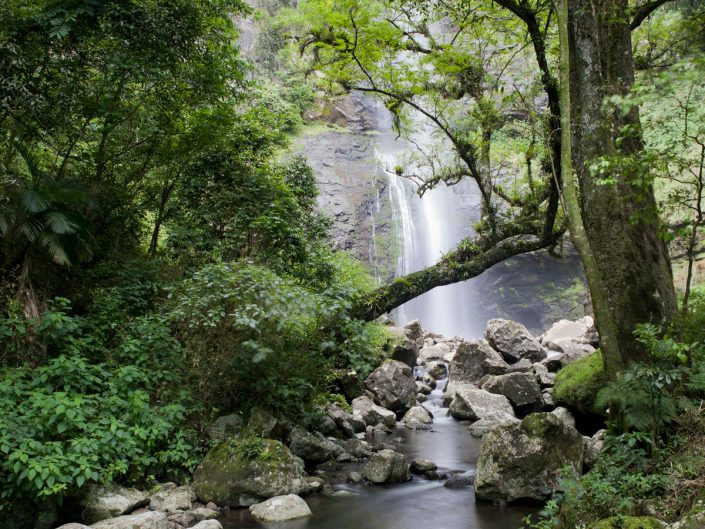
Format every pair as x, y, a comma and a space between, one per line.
523, 461
577, 384
629, 522
241, 472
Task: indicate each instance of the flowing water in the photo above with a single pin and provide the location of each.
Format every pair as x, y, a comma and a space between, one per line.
417, 504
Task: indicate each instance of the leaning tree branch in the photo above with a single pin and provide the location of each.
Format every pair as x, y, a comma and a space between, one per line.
644, 11
468, 260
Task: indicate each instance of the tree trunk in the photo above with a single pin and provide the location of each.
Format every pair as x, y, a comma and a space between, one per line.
620, 219
612, 360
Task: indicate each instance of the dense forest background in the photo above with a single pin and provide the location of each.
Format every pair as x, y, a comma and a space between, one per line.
163, 259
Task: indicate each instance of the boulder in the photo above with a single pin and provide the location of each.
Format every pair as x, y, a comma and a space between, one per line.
543, 376
430, 353
346, 423
459, 481
225, 427
513, 341
312, 447
101, 502
263, 424
392, 386
548, 400
522, 461
481, 427
521, 389
171, 498
593, 446
73, 526
473, 360
204, 513
281, 509
437, 370
422, 388
239, 473
371, 414
414, 331
387, 466
418, 418
564, 415
522, 366
404, 348
475, 404
419, 465
580, 331
208, 524
145, 520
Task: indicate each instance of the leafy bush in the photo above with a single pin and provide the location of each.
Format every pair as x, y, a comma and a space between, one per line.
578, 383
70, 422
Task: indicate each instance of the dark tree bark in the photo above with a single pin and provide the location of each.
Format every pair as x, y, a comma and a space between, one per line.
621, 219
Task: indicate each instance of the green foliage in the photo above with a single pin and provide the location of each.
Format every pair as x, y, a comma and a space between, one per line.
70, 422
578, 383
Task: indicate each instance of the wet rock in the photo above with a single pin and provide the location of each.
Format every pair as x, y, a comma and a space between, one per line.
418, 418
435, 352
372, 414
421, 397
405, 348
232, 475
459, 481
357, 448
225, 427
281, 509
414, 331
425, 389
429, 381
392, 386
101, 502
473, 360
354, 477
73, 526
419, 465
548, 401
474, 404
513, 341
481, 427
521, 389
522, 461
204, 513
436, 370
312, 447
171, 498
387, 466
145, 520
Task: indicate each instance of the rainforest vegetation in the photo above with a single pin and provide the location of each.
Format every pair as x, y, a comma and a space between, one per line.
164, 260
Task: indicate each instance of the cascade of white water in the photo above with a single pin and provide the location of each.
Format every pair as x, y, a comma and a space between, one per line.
426, 228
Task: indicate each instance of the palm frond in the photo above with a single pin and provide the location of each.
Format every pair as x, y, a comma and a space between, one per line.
59, 222
32, 229
34, 201
54, 247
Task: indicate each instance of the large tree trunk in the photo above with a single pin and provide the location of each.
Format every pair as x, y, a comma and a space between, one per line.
620, 219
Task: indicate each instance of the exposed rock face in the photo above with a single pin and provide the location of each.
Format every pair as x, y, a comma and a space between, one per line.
145, 520
225, 427
513, 341
281, 509
172, 498
371, 414
418, 418
387, 466
521, 389
475, 404
100, 502
521, 462
230, 476
392, 386
473, 360
311, 447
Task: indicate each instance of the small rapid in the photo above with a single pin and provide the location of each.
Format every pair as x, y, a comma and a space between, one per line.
418, 504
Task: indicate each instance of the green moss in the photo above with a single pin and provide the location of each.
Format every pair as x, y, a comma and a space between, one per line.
628, 522
578, 383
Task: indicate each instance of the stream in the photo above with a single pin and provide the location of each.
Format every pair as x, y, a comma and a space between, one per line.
417, 504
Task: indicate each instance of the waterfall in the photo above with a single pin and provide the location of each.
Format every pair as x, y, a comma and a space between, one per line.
426, 228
